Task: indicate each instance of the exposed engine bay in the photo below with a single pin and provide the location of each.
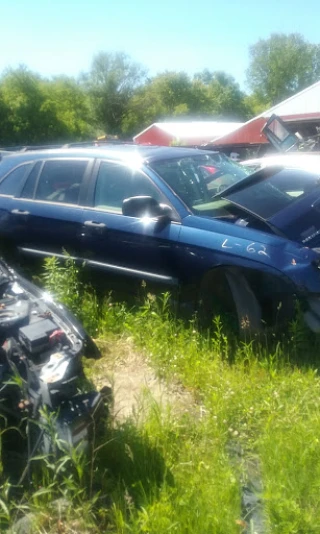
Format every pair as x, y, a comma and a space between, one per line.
41, 345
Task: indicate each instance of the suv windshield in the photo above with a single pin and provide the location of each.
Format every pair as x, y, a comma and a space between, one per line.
197, 179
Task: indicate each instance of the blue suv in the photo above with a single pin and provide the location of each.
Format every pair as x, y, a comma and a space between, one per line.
186, 218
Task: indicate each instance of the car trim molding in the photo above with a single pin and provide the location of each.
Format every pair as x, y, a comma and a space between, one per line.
108, 266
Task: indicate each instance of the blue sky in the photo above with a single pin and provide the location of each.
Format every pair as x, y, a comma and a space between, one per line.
60, 37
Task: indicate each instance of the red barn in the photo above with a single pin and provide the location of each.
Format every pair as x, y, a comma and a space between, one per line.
300, 112
184, 133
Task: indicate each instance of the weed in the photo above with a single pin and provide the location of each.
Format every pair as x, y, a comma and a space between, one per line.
255, 404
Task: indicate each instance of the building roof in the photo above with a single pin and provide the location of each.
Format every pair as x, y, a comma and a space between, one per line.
302, 106
304, 103
194, 129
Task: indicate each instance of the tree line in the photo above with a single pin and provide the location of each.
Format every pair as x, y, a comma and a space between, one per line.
117, 97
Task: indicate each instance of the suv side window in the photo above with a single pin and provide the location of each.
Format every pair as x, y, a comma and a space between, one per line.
12, 183
116, 182
29, 186
60, 181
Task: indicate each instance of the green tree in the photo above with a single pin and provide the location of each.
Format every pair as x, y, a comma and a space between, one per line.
254, 105
209, 95
282, 65
23, 99
144, 108
70, 104
35, 110
225, 100
167, 95
6, 129
111, 83
173, 89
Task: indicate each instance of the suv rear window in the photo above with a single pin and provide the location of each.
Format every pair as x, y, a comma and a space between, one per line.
60, 181
12, 183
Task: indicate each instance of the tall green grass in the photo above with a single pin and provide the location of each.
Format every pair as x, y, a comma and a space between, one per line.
254, 416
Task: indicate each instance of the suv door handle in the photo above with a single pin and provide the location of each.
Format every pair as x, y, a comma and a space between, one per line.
94, 224
20, 212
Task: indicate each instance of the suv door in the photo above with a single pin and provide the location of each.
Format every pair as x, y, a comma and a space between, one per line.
10, 186
134, 246
49, 209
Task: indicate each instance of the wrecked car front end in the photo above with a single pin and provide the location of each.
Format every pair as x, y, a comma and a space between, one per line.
284, 202
40, 367
303, 271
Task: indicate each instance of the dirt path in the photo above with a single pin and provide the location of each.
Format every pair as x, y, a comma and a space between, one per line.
134, 383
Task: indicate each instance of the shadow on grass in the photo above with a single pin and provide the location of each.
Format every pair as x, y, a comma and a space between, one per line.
130, 464
14, 454
296, 346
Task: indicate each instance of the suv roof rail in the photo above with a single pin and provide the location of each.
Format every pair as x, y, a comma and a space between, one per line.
25, 148
74, 144
97, 143
39, 147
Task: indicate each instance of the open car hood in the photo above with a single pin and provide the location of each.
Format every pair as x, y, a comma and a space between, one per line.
301, 221
287, 200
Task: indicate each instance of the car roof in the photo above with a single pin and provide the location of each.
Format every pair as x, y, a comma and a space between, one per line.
124, 153
4, 153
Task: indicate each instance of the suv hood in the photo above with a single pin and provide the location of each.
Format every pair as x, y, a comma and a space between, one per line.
287, 200
301, 221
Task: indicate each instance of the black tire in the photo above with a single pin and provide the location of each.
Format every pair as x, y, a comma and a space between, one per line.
226, 292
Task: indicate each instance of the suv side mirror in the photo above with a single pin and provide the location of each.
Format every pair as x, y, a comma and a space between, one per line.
145, 206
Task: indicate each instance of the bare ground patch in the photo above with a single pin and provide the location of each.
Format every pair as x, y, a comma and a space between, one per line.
133, 381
